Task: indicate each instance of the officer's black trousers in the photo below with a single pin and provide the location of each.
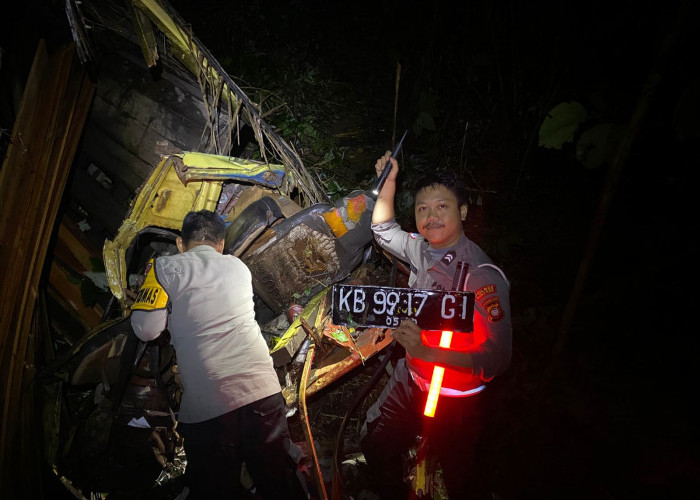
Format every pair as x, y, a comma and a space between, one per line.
256, 434
395, 420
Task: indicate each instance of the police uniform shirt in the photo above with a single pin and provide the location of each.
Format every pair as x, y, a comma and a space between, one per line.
435, 269
223, 359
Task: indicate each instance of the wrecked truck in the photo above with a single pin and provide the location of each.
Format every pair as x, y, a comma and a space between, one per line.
112, 417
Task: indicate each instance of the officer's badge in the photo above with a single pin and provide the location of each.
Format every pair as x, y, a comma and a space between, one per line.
449, 257
494, 311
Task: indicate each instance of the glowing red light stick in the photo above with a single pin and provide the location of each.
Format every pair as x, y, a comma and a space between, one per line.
436, 382
445, 341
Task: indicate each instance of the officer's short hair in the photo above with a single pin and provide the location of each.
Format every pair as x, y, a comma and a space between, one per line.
447, 179
204, 226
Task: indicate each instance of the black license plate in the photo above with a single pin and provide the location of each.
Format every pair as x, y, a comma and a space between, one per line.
385, 307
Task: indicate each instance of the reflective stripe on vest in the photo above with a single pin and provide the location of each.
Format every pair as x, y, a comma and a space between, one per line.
424, 385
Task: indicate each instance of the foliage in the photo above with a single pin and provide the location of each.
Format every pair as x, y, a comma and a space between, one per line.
597, 145
594, 146
499, 69
303, 110
427, 113
561, 124
305, 295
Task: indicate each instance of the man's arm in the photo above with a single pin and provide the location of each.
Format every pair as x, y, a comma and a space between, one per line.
149, 313
148, 325
493, 327
384, 206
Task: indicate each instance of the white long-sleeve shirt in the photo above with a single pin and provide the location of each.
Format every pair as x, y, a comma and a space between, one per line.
223, 359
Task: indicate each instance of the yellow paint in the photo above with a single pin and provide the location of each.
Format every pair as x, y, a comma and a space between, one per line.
163, 201
291, 332
212, 162
335, 222
184, 44
206, 166
152, 295
421, 483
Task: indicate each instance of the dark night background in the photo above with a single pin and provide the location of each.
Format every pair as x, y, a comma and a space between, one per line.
609, 411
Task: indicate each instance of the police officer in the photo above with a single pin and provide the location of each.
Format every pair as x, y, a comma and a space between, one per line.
396, 418
232, 409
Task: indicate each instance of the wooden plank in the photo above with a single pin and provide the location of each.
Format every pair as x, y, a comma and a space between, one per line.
28, 435
70, 292
45, 137
74, 249
13, 181
104, 150
42, 208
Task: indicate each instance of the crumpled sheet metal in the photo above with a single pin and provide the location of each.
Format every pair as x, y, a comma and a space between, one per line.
367, 344
175, 468
198, 166
163, 201
180, 183
314, 248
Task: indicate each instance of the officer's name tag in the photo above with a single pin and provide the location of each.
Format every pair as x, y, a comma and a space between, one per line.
380, 306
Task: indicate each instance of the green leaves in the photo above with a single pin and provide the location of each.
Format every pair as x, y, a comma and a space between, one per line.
351, 322
561, 124
595, 143
298, 128
306, 293
340, 336
598, 144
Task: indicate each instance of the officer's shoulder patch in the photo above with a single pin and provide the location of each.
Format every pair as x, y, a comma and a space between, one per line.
152, 295
414, 236
484, 291
494, 311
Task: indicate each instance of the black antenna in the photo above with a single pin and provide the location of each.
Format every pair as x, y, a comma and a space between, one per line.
387, 167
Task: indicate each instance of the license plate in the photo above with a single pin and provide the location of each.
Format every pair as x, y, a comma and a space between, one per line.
385, 307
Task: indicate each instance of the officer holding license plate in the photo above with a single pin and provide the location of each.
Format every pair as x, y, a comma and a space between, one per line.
471, 361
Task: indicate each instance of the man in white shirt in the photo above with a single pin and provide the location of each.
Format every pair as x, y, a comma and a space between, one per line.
232, 409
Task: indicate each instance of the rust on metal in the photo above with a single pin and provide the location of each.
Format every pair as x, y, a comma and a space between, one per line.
338, 363
307, 426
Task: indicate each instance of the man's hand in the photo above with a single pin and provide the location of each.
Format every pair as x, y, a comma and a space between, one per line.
408, 335
381, 162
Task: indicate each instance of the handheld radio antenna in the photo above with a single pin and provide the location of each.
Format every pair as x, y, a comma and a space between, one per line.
387, 167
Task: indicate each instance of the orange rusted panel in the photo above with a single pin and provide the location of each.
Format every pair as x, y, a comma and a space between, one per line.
367, 344
356, 207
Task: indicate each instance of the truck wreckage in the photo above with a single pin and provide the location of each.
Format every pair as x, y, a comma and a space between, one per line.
115, 385
110, 402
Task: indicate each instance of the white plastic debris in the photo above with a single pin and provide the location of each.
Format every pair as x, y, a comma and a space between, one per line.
140, 422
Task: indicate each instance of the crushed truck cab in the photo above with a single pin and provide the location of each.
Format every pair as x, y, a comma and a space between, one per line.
295, 254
